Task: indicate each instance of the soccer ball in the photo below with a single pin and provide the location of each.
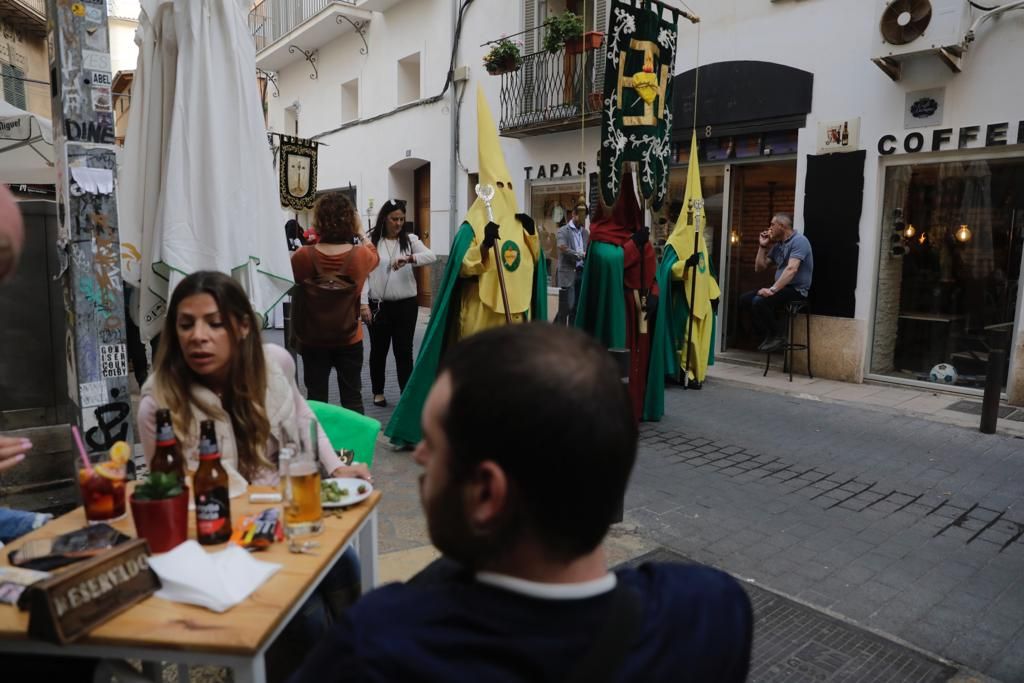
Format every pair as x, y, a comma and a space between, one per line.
943, 373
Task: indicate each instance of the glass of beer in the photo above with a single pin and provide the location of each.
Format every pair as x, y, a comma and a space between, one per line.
300, 489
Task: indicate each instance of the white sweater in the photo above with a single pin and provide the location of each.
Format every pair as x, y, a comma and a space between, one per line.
394, 285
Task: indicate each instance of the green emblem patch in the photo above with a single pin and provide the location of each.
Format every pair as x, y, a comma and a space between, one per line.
702, 265
510, 255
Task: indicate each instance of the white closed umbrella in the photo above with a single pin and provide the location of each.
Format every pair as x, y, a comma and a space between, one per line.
198, 189
26, 147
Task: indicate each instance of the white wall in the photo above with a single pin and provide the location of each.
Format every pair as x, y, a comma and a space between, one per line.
364, 154
122, 22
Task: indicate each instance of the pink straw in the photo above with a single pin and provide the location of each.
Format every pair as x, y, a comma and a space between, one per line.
81, 448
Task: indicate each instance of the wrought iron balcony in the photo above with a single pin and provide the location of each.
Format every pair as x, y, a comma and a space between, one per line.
552, 92
28, 16
288, 30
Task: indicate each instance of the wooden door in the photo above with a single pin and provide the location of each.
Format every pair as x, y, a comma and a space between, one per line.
421, 217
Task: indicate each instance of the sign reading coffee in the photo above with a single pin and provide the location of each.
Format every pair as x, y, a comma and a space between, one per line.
943, 139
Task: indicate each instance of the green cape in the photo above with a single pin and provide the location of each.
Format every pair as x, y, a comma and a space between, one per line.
602, 313
404, 428
673, 316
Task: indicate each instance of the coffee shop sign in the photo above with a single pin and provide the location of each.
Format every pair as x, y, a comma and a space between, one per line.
555, 170
944, 139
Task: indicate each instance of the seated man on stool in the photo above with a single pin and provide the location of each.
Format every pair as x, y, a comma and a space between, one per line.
520, 500
790, 252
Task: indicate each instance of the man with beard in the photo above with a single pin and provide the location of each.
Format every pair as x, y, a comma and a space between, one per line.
519, 500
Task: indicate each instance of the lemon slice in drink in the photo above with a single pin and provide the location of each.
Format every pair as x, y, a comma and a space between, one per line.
109, 470
120, 452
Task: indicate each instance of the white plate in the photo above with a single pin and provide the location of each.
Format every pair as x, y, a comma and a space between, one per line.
352, 485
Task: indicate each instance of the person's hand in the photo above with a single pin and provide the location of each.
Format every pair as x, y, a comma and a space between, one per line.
401, 261
641, 237
652, 306
12, 451
354, 471
490, 236
765, 292
528, 224
364, 313
764, 239
693, 260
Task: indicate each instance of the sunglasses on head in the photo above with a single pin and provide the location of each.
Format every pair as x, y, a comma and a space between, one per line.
396, 204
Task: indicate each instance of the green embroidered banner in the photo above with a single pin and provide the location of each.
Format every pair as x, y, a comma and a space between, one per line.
636, 121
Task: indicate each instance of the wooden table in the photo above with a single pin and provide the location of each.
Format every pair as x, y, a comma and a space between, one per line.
158, 630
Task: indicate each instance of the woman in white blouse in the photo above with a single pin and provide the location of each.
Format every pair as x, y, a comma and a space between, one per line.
392, 294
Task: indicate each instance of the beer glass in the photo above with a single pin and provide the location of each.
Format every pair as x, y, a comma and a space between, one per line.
300, 487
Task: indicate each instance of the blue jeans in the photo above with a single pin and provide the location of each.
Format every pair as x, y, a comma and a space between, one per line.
17, 523
339, 589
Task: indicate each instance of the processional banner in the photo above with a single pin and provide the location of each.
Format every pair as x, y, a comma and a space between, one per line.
297, 172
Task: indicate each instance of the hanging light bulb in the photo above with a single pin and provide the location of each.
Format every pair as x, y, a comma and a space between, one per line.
923, 238
963, 234
734, 237
909, 231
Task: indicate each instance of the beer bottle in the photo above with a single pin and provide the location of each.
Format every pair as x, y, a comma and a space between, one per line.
213, 505
167, 457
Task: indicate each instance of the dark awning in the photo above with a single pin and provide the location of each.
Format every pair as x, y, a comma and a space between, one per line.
742, 97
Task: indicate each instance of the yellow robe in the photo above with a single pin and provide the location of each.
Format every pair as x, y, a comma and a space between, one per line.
476, 316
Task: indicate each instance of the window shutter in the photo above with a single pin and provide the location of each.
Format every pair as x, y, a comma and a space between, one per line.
14, 87
600, 24
529, 47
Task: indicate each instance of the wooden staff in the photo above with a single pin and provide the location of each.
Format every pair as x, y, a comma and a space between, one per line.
486, 193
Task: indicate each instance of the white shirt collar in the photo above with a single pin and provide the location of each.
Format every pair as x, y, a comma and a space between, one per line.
549, 591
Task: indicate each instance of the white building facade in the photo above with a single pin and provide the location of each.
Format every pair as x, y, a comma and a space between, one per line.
899, 153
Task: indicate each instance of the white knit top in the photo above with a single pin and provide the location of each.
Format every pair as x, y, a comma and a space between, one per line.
394, 285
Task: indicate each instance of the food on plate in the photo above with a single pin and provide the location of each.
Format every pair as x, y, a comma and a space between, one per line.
361, 489
331, 492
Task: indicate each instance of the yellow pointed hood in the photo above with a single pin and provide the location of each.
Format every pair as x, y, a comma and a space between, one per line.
681, 240
494, 172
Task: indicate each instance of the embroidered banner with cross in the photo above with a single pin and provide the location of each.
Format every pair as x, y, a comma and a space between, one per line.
297, 172
636, 122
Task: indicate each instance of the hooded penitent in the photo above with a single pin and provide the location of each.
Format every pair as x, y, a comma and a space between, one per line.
516, 257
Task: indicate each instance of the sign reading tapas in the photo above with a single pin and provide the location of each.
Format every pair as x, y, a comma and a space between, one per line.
297, 172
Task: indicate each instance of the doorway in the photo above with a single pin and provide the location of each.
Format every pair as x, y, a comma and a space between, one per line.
421, 226
757, 192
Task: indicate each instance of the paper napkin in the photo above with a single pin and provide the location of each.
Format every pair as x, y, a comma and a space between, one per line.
217, 581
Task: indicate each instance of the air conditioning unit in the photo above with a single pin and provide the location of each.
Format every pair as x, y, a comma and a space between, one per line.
911, 29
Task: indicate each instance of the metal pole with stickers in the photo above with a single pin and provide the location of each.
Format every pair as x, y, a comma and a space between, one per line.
88, 243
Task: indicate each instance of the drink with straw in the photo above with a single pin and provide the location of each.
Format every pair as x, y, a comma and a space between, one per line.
102, 485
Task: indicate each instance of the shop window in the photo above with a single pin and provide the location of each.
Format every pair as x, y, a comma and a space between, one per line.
551, 206
948, 269
409, 79
350, 100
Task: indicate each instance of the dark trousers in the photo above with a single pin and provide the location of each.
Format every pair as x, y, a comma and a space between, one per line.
763, 309
394, 325
568, 300
347, 361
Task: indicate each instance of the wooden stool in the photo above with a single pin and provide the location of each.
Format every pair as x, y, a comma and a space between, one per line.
793, 309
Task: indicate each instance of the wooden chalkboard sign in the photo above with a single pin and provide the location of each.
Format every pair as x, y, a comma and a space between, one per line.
67, 606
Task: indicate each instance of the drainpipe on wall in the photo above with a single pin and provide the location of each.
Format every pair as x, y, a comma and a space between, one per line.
453, 180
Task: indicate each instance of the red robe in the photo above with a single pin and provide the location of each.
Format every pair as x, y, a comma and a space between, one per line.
638, 277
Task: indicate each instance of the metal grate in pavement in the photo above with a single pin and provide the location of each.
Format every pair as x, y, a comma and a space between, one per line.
794, 643
974, 408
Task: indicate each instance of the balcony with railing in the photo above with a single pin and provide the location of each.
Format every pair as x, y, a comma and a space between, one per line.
553, 92
285, 31
27, 16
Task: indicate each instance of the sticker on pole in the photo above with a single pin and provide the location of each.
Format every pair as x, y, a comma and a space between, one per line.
113, 360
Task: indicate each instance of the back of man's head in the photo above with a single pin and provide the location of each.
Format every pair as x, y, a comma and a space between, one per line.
546, 404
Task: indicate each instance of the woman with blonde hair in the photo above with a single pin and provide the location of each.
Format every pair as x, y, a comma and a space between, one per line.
326, 309
212, 365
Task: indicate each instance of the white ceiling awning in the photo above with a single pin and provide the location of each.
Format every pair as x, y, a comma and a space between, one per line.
26, 147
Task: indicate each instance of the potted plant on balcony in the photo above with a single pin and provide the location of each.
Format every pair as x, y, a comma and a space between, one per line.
504, 57
560, 29
160, 511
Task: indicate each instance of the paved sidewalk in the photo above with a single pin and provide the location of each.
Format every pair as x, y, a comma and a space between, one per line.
938, 405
